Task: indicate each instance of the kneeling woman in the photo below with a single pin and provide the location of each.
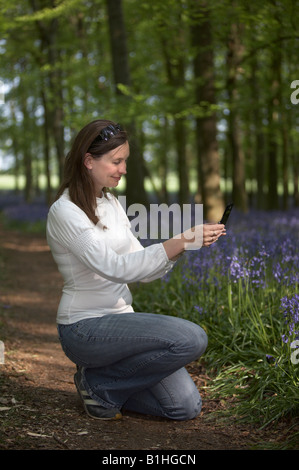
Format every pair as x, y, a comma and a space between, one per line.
125, 360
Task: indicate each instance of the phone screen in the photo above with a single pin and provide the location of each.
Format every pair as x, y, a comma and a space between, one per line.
226, 214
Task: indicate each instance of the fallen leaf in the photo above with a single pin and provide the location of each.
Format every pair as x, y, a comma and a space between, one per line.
34, 434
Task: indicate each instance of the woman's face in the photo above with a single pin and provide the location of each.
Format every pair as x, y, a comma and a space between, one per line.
107, 170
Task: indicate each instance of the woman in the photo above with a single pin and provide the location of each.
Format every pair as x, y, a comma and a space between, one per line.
125, 360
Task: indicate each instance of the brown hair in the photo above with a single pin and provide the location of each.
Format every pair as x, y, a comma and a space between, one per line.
76, 176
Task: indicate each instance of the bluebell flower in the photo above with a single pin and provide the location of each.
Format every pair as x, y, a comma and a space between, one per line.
290, 308
199, 309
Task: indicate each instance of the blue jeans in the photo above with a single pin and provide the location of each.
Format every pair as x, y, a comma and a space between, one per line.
135, 361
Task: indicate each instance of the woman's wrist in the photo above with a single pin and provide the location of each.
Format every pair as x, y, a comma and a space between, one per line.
174, 248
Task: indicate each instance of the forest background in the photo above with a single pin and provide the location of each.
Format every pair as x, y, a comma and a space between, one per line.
208, 92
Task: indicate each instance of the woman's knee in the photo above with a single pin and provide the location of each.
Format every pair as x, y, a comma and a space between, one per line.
179, 396
190, 408
192, 339
202, 341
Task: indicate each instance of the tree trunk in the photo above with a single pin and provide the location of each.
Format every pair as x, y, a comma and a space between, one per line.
259, 140
206, 127
234, 133
295, 164
285, 172
47, 150
51, 50
15, 145
173, 51
135, 190
50, 54
27, 157
274, 103
180, 139
56, 103
296, 179
163, 166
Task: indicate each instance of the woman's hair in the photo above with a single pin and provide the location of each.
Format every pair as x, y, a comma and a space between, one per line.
97, 138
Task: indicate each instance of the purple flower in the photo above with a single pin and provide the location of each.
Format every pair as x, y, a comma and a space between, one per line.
290, 308
199, 309
23, 212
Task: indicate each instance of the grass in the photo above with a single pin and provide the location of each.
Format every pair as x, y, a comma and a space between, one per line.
235, 291
244, 292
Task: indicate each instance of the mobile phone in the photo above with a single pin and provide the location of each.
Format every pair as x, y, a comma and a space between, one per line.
226, 214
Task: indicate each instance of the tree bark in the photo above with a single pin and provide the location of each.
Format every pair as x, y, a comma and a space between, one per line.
295, 162
274, 103
26, 150
259, 138
50, 52
175, 72
208, 171
163, 166
235, 51
293, 158
285, 159
47, 150
182, 167
135, 190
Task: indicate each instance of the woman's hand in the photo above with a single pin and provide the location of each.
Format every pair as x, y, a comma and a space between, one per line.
211, 233
202, 235
193, 239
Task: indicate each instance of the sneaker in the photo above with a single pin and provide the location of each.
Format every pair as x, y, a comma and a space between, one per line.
92, 408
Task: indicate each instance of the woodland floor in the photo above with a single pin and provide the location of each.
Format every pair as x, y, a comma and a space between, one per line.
39, 405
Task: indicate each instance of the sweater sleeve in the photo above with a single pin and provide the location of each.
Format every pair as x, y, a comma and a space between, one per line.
68, 228
137, 246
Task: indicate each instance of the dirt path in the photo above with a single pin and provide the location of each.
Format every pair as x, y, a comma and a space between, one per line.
39, 406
